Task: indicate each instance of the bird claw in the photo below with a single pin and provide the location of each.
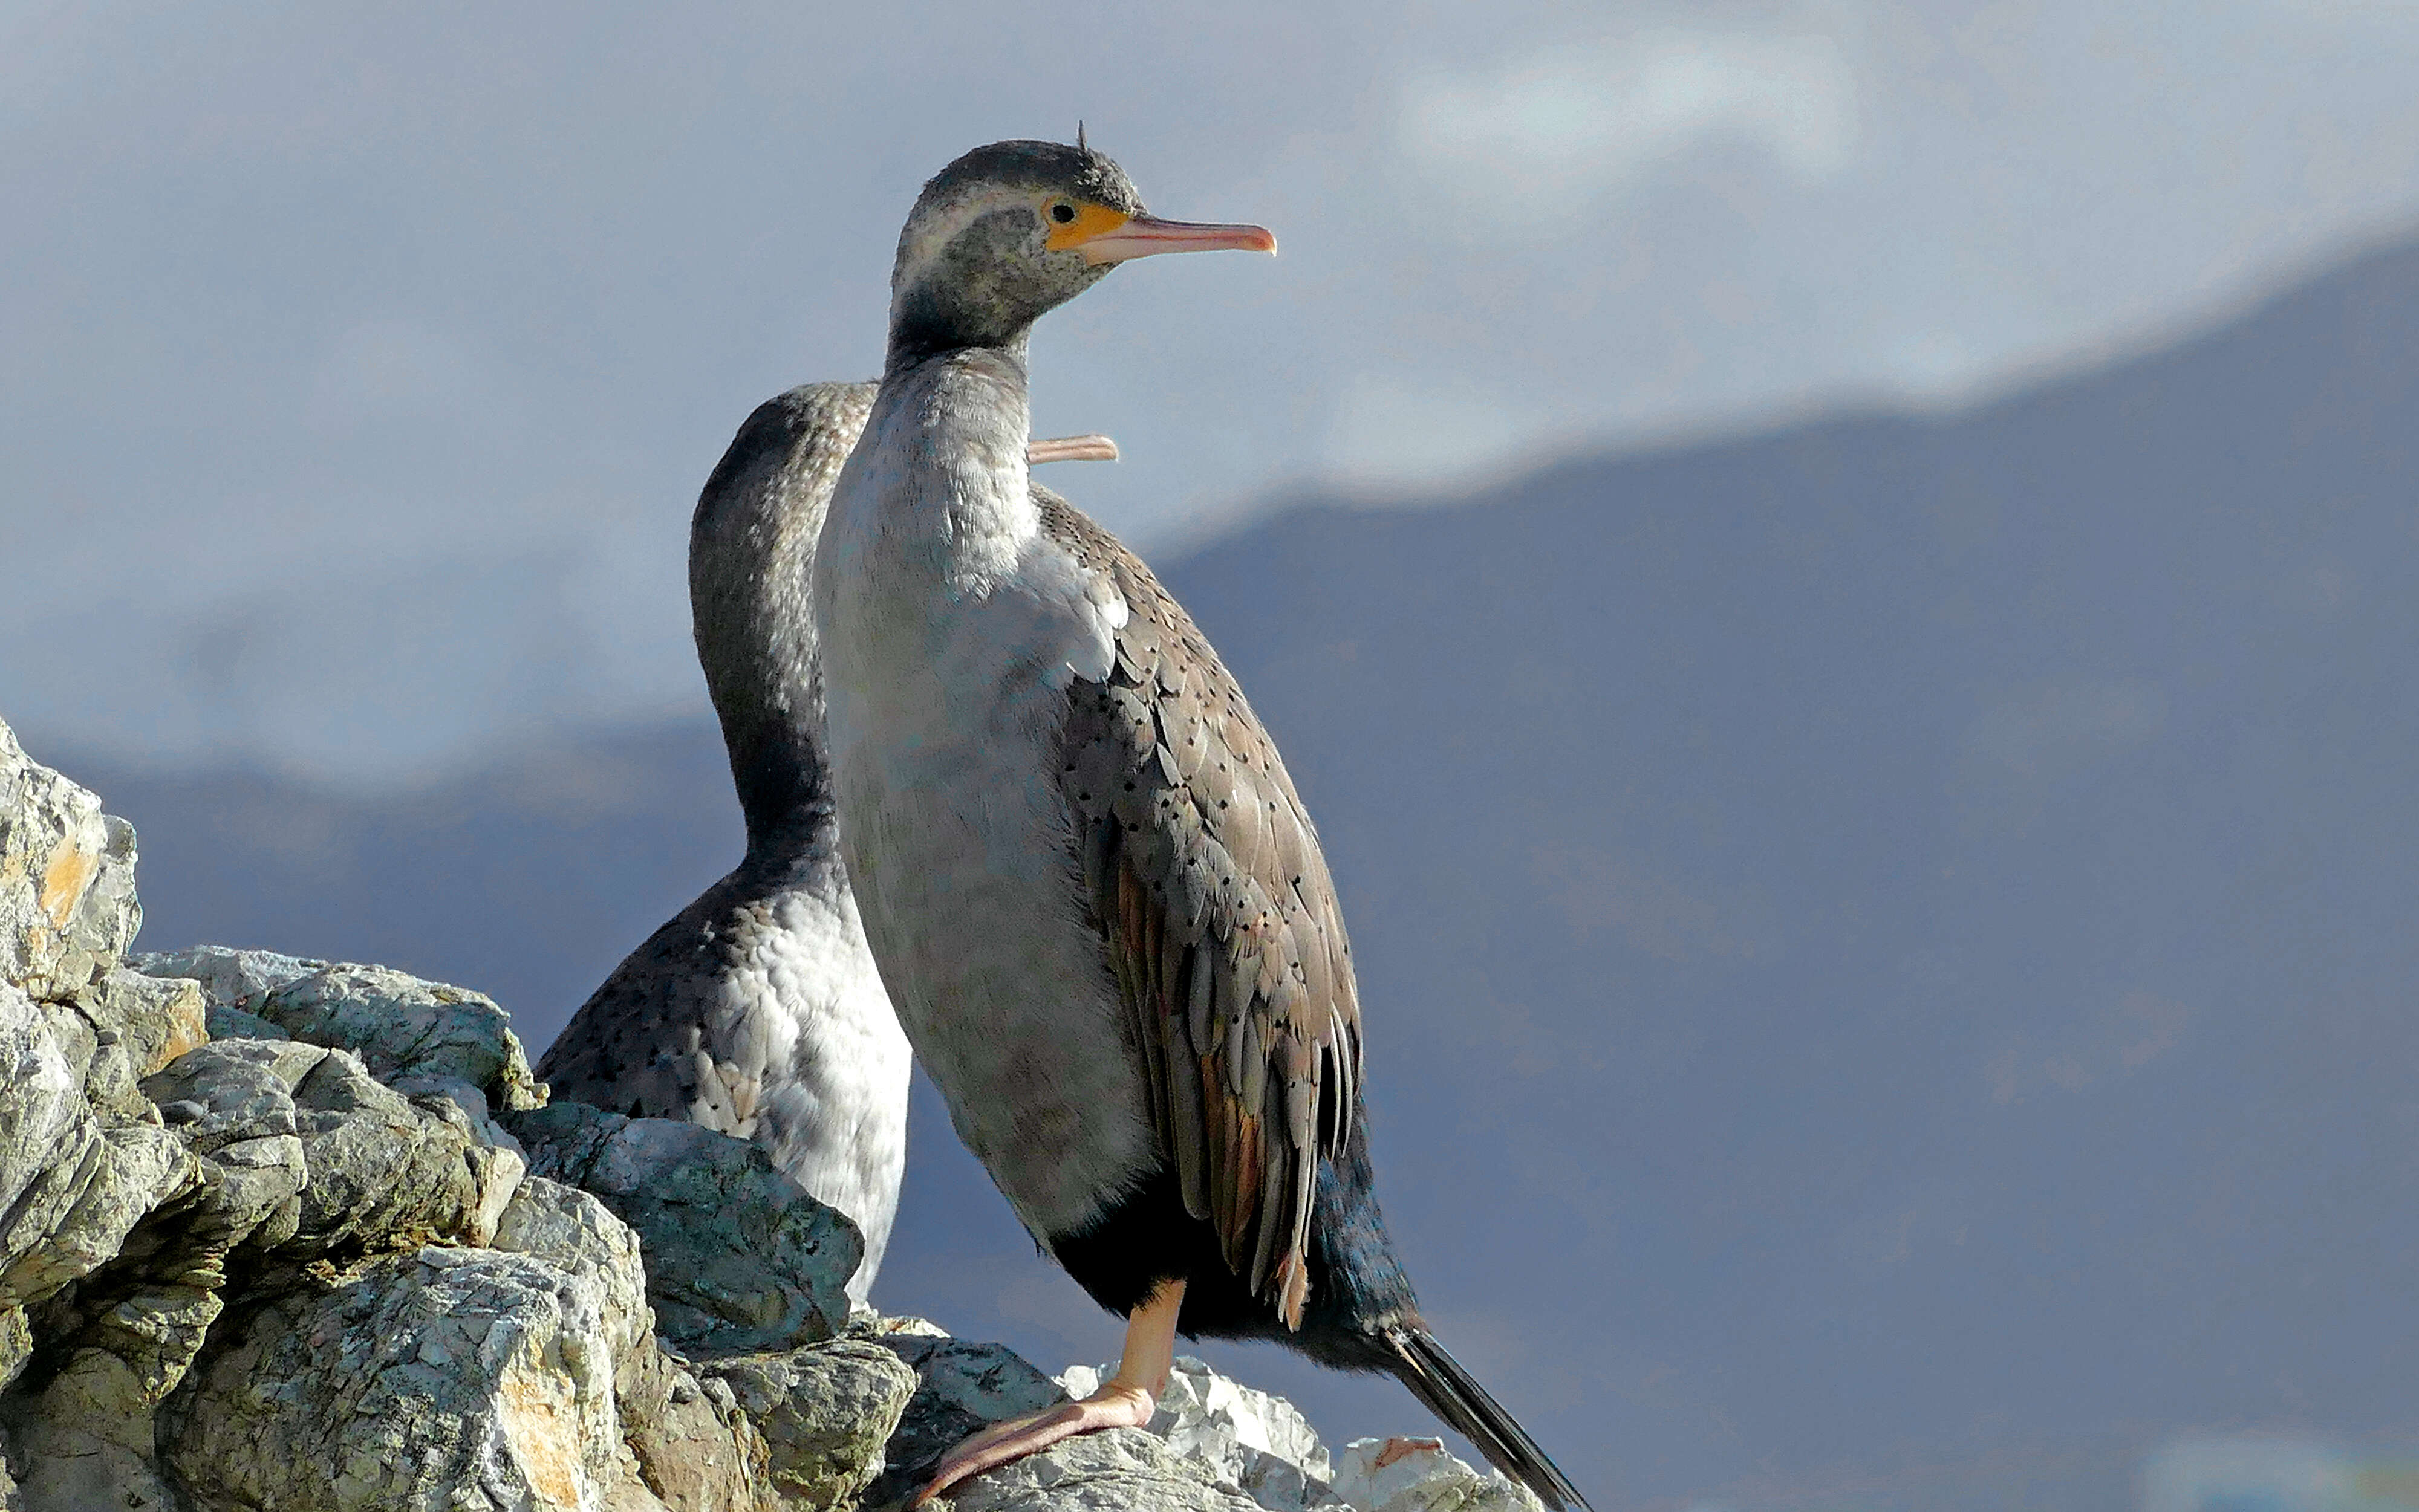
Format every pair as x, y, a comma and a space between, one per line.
1115, 1405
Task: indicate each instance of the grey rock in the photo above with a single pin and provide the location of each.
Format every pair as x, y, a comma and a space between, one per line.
235, 1024
579, 1234
456, 1378
1123, 1468
960, 1387
404, 1027
247, 1194
826, 1412
139, 1025
119, 1029
469, 1100
88, 1437
400, 1026
74, 1214
1419, 1476
244, 1089
379, 1169
232, 979
740, 1259
384, 1168
41, 1106
67, 908
86, 1441
689, 1455
696, 1451
1250, 1440
874, 1324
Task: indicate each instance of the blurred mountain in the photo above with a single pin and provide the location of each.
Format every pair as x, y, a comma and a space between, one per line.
1889, 945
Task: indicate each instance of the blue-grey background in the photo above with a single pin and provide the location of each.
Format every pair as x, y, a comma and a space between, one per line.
1838, 577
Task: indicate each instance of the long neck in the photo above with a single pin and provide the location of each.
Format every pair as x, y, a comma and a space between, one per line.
751, 552
948, 436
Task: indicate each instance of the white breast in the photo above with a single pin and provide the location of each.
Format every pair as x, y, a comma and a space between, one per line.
951, 628
832, 1109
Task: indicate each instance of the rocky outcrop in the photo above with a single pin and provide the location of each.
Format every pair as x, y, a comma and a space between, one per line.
306, 1235
740, 1258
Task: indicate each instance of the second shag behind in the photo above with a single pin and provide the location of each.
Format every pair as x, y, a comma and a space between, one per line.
756, 1010
1092, 893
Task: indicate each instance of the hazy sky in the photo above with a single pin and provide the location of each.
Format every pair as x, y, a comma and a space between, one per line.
363, 362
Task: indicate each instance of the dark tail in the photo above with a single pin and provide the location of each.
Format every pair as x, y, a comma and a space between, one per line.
1438, 1378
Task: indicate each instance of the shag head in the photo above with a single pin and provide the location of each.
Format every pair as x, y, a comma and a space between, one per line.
1011, 231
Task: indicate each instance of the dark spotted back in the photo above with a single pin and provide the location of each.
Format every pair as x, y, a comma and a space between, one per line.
1221, 922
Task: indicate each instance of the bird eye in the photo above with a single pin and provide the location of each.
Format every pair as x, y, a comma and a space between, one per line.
1063, 213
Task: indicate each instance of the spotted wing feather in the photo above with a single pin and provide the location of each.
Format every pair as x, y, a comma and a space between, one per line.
1221, 924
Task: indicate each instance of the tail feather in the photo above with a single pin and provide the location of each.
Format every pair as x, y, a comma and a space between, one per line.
1450, 1391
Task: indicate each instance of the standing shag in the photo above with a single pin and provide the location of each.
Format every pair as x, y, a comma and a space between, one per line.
1094, 898
757, 1011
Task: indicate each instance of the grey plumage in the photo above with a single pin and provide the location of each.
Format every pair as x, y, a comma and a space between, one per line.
757, 1010
1219, 920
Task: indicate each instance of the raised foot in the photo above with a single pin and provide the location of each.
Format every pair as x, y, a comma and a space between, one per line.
1115, 1405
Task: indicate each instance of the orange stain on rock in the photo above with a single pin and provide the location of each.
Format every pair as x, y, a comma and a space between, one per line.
65, 879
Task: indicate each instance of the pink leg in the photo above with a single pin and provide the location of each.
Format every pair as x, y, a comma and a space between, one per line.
1125, 1400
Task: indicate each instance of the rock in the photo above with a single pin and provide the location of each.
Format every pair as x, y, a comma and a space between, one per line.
71, 1188
448, 1378
690, 1456
86, 1441
88, 1437
380, 1170
401, 1027
16, 1343
696, 1450
382, 1167
134, 1025
235, 1024
825, 1412
1251, 1441
232, 1091
42, 1110
473, 1104
740, 1259
577, 1233
1418, 1475
241, 980
67, 908
960, 1387
1122, 1469
79, 1211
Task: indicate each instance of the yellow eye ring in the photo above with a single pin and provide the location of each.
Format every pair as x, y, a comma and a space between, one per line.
1073, 222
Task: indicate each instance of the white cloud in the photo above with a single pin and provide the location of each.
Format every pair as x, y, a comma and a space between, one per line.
1541, 138
1420, 430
